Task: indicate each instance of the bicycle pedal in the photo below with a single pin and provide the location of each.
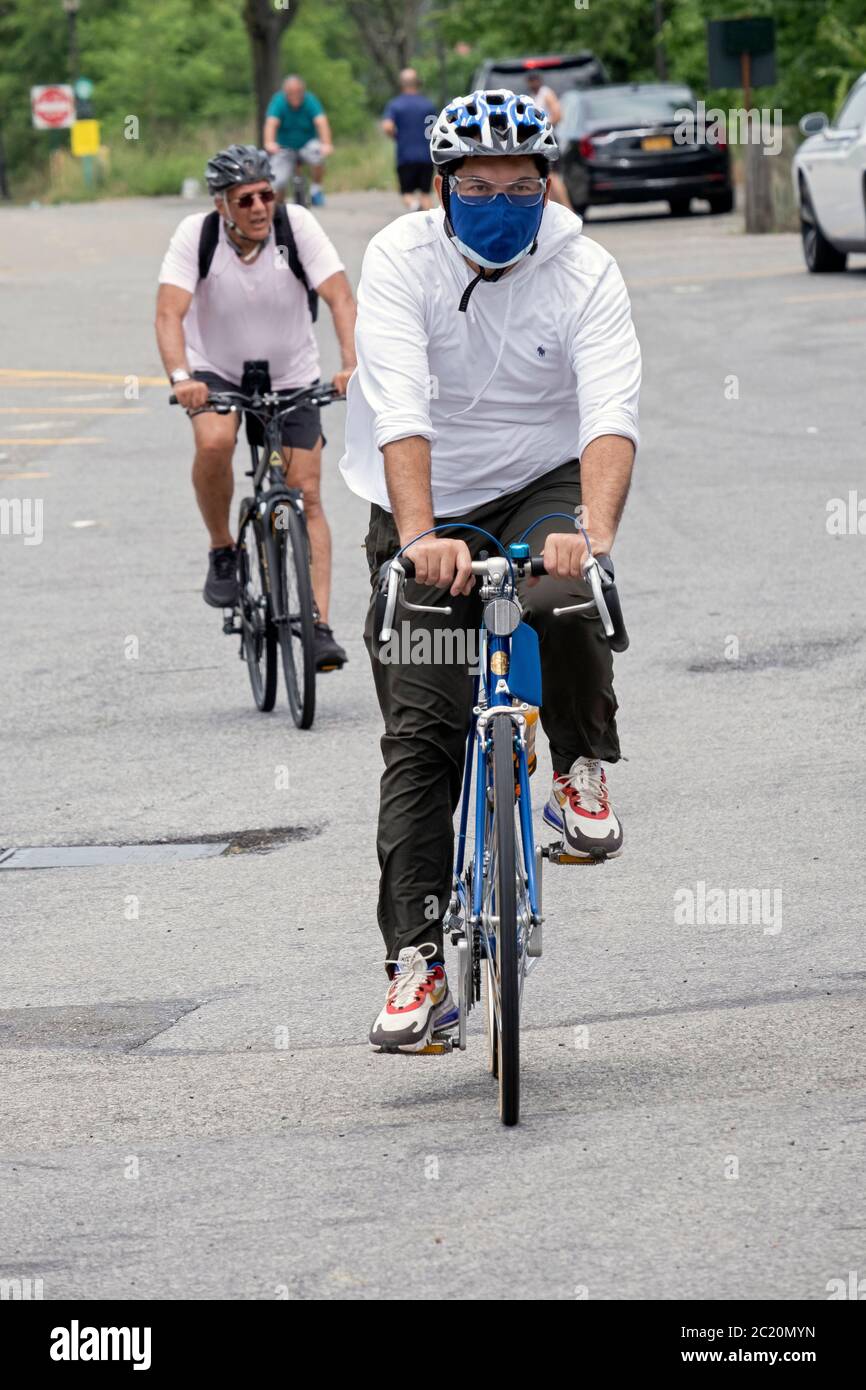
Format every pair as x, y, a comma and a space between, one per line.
556, 854
436, 1047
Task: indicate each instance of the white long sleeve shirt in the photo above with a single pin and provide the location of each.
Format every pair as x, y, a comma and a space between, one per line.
543, 361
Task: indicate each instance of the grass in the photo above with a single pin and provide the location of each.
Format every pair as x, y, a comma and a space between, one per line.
135, 168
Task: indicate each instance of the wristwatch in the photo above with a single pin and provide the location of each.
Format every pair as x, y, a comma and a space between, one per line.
179, 375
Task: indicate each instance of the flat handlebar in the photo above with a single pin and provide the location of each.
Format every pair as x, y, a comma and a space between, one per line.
223, 402
598, 573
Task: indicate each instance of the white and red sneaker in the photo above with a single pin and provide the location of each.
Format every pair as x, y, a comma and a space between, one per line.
579, 807
418, 1002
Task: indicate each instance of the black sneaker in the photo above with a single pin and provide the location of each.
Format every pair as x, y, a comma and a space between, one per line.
221, 585
330, 656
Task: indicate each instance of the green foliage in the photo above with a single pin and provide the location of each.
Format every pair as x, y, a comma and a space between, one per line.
183, 66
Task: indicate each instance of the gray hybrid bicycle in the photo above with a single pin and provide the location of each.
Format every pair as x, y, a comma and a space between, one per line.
275, 608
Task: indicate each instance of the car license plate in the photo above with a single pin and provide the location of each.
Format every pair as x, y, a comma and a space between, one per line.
657, 142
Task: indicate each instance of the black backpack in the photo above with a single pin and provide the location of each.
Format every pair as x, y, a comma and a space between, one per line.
210, 231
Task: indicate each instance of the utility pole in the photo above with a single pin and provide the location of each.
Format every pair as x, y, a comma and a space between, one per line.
72, 7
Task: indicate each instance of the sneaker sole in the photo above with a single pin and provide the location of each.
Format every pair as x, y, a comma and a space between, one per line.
444, 1019
586, 856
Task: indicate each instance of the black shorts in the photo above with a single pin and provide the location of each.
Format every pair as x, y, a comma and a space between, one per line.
415, 177
302, 430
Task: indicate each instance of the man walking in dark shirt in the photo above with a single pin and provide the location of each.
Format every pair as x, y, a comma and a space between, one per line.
406, 120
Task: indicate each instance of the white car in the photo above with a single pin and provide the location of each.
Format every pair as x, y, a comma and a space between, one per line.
829, 171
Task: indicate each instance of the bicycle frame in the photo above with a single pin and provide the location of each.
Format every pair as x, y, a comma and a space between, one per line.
490, 698
267, 461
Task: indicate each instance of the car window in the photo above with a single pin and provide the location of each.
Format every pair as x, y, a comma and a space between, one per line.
624, 108
853, 113
569, 125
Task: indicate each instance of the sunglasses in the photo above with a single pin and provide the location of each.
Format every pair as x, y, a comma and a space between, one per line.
246, 200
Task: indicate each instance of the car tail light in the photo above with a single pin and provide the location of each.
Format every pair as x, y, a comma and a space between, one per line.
585, 148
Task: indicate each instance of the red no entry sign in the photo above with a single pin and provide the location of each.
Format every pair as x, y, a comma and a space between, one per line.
53, 107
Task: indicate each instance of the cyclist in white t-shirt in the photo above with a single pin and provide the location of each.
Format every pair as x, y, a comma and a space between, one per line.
251, 306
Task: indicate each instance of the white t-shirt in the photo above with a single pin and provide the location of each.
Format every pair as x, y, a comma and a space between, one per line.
256, 310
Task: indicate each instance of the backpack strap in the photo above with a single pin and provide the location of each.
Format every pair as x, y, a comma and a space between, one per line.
207, 244
285, 240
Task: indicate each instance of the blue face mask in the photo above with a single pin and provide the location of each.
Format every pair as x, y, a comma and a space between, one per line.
495, 234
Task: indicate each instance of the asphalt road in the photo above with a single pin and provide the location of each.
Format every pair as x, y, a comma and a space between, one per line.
190, 1108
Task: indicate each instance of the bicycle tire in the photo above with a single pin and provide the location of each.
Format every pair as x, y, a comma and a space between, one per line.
503, 869
258, 635
296, 631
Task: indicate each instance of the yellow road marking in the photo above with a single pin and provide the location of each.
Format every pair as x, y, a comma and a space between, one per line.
24, 475
15, 373
72, 439
74, 410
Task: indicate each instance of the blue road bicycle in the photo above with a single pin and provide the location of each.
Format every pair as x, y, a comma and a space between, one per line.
494, 917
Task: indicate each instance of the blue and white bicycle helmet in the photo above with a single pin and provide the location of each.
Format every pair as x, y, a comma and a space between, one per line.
492, 123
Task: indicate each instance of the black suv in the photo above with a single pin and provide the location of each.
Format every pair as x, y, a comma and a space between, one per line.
635, 143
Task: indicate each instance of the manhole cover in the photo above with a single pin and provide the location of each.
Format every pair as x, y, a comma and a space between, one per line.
153, 852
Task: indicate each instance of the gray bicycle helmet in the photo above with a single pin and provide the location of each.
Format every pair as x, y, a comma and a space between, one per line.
492, 123
237, 165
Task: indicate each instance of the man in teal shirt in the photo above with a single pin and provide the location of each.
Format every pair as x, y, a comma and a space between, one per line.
296, 120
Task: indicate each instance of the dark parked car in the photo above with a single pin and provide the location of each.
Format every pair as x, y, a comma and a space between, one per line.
627, 144
560, 72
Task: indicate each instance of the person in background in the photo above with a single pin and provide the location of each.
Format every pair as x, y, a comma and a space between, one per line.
247, 305
406, 119
296, 121
546, 98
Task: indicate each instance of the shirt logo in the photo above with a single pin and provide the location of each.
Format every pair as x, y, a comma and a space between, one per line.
541, 350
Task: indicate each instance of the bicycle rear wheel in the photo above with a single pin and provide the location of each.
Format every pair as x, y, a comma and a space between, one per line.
296, 630
258, 635
503, 972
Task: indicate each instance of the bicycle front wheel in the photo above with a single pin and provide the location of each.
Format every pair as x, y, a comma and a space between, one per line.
258, 635
297, 629
503, 971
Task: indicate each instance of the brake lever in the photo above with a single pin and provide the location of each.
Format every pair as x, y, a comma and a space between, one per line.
396, 576
596, 576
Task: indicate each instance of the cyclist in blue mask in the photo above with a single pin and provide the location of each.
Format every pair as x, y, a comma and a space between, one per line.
497, 385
